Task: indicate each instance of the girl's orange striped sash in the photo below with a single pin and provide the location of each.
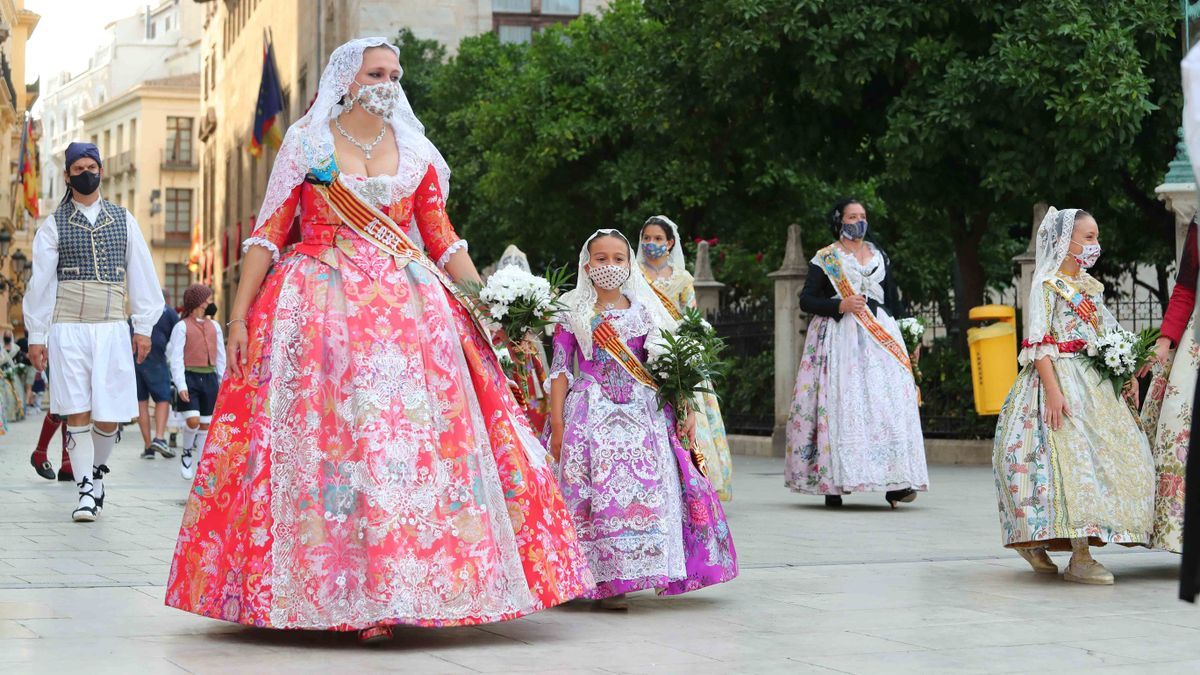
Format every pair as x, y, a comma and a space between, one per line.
610, 341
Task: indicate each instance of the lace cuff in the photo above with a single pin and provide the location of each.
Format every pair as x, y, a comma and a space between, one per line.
461, 244
265, 243
554, 376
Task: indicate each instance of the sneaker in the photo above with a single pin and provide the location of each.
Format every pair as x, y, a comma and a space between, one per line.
160, 445
187, 468
85, 512
148, 453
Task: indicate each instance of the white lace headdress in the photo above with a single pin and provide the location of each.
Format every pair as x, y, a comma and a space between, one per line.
514, 257
677, 262
310, 139
1053, 240
581, 301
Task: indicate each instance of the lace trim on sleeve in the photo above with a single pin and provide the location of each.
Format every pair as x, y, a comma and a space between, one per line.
263, 242
559, 366
461, 244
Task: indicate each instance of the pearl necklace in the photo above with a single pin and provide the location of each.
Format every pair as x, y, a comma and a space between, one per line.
365, 147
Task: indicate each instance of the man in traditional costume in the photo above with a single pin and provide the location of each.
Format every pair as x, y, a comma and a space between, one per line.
89, 258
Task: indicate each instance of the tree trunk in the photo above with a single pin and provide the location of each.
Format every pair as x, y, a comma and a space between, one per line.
970, 280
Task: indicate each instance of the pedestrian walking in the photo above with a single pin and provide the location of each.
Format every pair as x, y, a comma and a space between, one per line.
89, 258
154, 384
196, 354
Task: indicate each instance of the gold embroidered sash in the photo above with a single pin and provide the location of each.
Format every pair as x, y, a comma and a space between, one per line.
832, 266
1079, 301
662, 297
377, 228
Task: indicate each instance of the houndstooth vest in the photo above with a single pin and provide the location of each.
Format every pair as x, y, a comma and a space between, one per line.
88, 252
91, 265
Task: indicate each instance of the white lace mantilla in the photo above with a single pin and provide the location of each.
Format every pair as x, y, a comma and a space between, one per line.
866, 279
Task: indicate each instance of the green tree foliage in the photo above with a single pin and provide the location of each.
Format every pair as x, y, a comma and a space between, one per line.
739, 117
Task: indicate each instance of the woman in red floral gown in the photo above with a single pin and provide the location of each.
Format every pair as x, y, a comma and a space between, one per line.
367, 464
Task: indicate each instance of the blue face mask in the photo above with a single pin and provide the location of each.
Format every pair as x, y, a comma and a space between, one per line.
654, 251
855, 231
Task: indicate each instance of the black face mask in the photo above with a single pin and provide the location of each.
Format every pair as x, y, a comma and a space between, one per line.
7, 340
85, 183
211, 310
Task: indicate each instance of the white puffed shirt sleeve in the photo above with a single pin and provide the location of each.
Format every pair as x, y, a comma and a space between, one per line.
145, 293
220, 352
175, 355
42, 291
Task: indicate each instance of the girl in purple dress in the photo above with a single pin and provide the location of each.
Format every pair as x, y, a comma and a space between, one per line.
647, 518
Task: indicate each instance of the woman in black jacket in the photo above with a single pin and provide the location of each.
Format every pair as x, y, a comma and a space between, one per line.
854, 425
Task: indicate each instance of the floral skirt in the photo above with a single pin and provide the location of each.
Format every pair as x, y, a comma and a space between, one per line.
714, 445
1094, 477
12, 401
1167, 414
645, 516
371, 467
854, 424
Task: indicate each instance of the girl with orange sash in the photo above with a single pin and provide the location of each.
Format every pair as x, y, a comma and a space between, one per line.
854, 425
646, 516
1073, 469
660, 258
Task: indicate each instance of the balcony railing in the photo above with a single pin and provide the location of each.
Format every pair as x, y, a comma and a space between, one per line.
120, 163
174, 160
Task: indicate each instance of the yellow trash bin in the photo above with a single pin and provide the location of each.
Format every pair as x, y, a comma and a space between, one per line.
993, 356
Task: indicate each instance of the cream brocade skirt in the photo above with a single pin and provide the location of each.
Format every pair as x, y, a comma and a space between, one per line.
1093, 477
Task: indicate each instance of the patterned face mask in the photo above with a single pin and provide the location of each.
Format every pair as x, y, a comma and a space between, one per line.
855, 231
1088, 256
608, 277
654, 251
379, 99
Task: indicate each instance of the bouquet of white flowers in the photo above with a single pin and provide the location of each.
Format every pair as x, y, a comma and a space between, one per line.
1118, 354
518, 301
913, 330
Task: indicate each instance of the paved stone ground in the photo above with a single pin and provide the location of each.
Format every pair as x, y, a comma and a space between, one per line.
924, 589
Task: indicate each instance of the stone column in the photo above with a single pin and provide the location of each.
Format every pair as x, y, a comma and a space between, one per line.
1028, 260
708, 289
1178, 190
1181, 199
789, 333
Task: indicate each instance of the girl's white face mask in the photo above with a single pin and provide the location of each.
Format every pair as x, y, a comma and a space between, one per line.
1088, 256
608, 277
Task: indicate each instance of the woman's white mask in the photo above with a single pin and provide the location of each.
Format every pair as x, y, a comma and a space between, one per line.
379, 99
